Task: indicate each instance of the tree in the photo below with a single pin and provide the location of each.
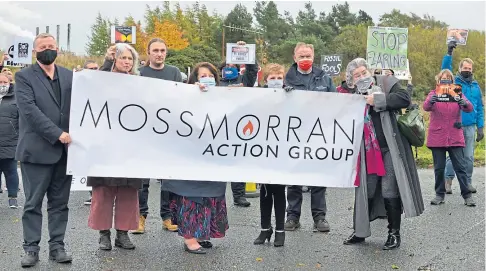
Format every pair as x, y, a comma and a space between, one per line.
99, 40
141, 37
364, 18
340, 17
308, 24
239, 17
274, 27
397, 19
170, 33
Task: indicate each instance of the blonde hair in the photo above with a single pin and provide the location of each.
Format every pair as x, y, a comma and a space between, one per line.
272, 68
122, 47
305, 45
467, 60
44, 36
441, 73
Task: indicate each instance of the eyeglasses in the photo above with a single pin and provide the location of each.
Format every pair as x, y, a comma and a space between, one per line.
94, 68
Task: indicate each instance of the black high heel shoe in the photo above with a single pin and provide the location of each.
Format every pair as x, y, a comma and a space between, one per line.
194, 251
279, 239
353, 239
264, 235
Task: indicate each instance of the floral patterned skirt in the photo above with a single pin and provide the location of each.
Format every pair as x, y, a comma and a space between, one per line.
203, 221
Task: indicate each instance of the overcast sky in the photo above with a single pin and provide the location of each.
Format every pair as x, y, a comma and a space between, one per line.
20, 18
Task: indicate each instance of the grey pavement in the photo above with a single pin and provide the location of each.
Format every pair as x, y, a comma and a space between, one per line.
446, 237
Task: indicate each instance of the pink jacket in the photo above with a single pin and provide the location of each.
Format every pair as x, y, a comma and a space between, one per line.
443, 115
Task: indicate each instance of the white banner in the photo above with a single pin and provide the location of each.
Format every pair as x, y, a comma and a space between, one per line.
79, 184
139, 127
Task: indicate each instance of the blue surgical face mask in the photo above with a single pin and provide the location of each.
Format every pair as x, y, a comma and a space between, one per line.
445, 82
208, 81
275, 83
230, 73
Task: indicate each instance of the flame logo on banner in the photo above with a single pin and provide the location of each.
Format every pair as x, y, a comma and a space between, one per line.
248, 129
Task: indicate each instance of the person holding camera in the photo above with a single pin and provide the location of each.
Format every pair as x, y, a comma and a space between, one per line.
473, 121
445, 134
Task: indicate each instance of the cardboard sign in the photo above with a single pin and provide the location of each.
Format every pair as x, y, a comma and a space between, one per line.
448, 93
387, 48
237, 54
403, 74
78, 183
331, 64
123, 34
457, 35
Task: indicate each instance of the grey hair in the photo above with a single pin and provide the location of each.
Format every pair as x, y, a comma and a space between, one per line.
353, 65
44, 36
121, 48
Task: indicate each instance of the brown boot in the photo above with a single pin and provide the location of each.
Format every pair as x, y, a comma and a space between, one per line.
167, 225
141, 226
448, 186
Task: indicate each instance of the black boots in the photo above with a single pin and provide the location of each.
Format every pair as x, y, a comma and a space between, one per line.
123, 241
105, 240
279, 239
264, 235
30, 259
394, 213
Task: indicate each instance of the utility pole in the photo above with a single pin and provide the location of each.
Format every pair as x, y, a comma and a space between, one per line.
234, 28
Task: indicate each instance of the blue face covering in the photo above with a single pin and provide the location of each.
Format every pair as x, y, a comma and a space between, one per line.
208, 81
445, 82
230, 73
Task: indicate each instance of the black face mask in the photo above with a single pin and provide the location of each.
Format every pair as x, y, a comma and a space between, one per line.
46, 57
466, 74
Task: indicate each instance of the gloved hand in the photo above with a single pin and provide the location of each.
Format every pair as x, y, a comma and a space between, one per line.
433, 99
451, 46
461, 102
480, 134
288, 88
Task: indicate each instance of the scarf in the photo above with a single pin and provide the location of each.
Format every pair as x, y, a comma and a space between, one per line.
374, 160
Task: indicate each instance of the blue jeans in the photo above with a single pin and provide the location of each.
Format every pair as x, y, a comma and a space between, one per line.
469, 132
9, 169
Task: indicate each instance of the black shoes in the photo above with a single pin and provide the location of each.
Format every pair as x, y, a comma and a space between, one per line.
264, 235
205, 244
123, 241
322, 225
242, 202
105, 240
353, 239
393, 240
194, 251
59, 255
279, 239
30, 259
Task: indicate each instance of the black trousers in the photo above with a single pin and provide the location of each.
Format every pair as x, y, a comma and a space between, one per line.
238, 190
459, 163
272, 194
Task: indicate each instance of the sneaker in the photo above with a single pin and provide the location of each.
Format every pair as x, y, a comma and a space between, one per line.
322, 225
437, 200
12, 203
87, 202
469, 202
291, 225
471, 188
448, 186
242, 202
141, 226
167, 225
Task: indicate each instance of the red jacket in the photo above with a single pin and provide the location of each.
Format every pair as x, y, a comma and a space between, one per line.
443, 115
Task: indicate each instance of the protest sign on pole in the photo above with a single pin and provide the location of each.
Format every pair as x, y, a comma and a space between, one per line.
139, 127
457, 35
240, 54
123, 34
387, 47
403, 74
331, 64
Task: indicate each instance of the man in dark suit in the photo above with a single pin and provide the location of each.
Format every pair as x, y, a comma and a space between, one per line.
43, 93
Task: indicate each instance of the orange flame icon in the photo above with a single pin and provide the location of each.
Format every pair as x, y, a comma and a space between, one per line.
248, 128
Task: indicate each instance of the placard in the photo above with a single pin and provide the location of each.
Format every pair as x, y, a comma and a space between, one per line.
240, 54
387, 48
22, 53
123, 34
331, 64
138, 127
79, 184
457, 35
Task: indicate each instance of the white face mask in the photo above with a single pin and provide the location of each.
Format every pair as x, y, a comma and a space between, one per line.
275, 83
4, 90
